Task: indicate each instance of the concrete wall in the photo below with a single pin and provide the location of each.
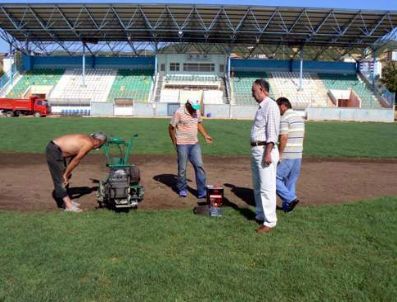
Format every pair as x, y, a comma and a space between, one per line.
123, 110
237, 112
143, 109
161, 109
217, 111
243, 112
354, 100
102, 109
350, 114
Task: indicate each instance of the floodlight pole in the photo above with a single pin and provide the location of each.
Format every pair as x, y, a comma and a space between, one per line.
27, 47
301, 71
228, 66
83, 73
373, 67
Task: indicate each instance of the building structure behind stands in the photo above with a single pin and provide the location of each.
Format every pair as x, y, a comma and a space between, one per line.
182, 77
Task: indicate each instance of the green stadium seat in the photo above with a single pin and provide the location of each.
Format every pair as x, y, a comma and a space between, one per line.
35, 77
131, 84
242, 84
343, 82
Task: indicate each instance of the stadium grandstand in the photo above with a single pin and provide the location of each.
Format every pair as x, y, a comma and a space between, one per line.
148, 59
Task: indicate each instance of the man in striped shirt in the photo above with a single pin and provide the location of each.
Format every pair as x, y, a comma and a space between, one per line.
292, 132
183, 129
264, 155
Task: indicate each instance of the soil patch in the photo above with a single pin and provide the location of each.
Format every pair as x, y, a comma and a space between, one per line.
25, 182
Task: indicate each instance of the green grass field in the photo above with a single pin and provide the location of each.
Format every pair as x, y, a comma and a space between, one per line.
329, 253
323, 253
323, 139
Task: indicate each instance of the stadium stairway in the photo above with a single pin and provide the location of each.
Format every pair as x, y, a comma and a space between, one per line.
344, 82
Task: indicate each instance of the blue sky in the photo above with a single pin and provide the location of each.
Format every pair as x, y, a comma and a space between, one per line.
346, 4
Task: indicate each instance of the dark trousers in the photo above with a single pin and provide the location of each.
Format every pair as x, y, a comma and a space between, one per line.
57, 165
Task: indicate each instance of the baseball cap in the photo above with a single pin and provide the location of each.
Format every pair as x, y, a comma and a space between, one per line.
99, 136
195, 104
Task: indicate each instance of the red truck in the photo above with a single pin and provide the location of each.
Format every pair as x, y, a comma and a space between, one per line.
15, 107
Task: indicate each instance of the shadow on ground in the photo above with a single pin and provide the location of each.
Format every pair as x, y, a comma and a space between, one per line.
74, 193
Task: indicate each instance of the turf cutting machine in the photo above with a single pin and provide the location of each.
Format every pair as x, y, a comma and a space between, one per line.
121, 188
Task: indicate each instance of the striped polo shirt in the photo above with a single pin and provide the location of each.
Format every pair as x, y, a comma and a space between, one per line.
294, 126
186, 126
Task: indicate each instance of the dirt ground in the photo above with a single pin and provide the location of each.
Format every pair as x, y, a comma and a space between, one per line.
25, 183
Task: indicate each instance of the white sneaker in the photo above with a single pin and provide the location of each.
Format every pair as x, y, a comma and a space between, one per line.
73, 209
75, 203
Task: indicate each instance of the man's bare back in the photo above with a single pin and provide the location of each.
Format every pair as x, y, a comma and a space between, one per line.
75, 146
72, 144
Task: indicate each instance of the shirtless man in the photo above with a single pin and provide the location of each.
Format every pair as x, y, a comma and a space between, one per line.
73, 147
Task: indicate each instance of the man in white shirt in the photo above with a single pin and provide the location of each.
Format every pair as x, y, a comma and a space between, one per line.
264, 155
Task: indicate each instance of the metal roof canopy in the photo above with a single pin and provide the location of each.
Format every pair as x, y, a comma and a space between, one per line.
260, 27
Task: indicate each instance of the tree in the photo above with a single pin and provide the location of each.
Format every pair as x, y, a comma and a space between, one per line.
389, 77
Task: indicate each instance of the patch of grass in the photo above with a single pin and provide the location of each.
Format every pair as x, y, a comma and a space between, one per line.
349, 139
231, 137
337, 253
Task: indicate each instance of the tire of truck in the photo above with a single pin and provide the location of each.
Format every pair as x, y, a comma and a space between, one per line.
17, 113
37, 114
9, 114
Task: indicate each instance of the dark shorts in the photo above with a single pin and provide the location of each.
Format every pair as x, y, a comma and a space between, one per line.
57, 165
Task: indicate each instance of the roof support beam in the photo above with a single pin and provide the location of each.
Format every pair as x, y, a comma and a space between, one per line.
380, 21
296, 20
148, 25
69, 24
17, 26
262, 30
236, 31
46, 29
345, 29
72, 27
228, 23
200, 19
128, 37
97, 27
187, 19
283, 26
323, 21
59, 23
